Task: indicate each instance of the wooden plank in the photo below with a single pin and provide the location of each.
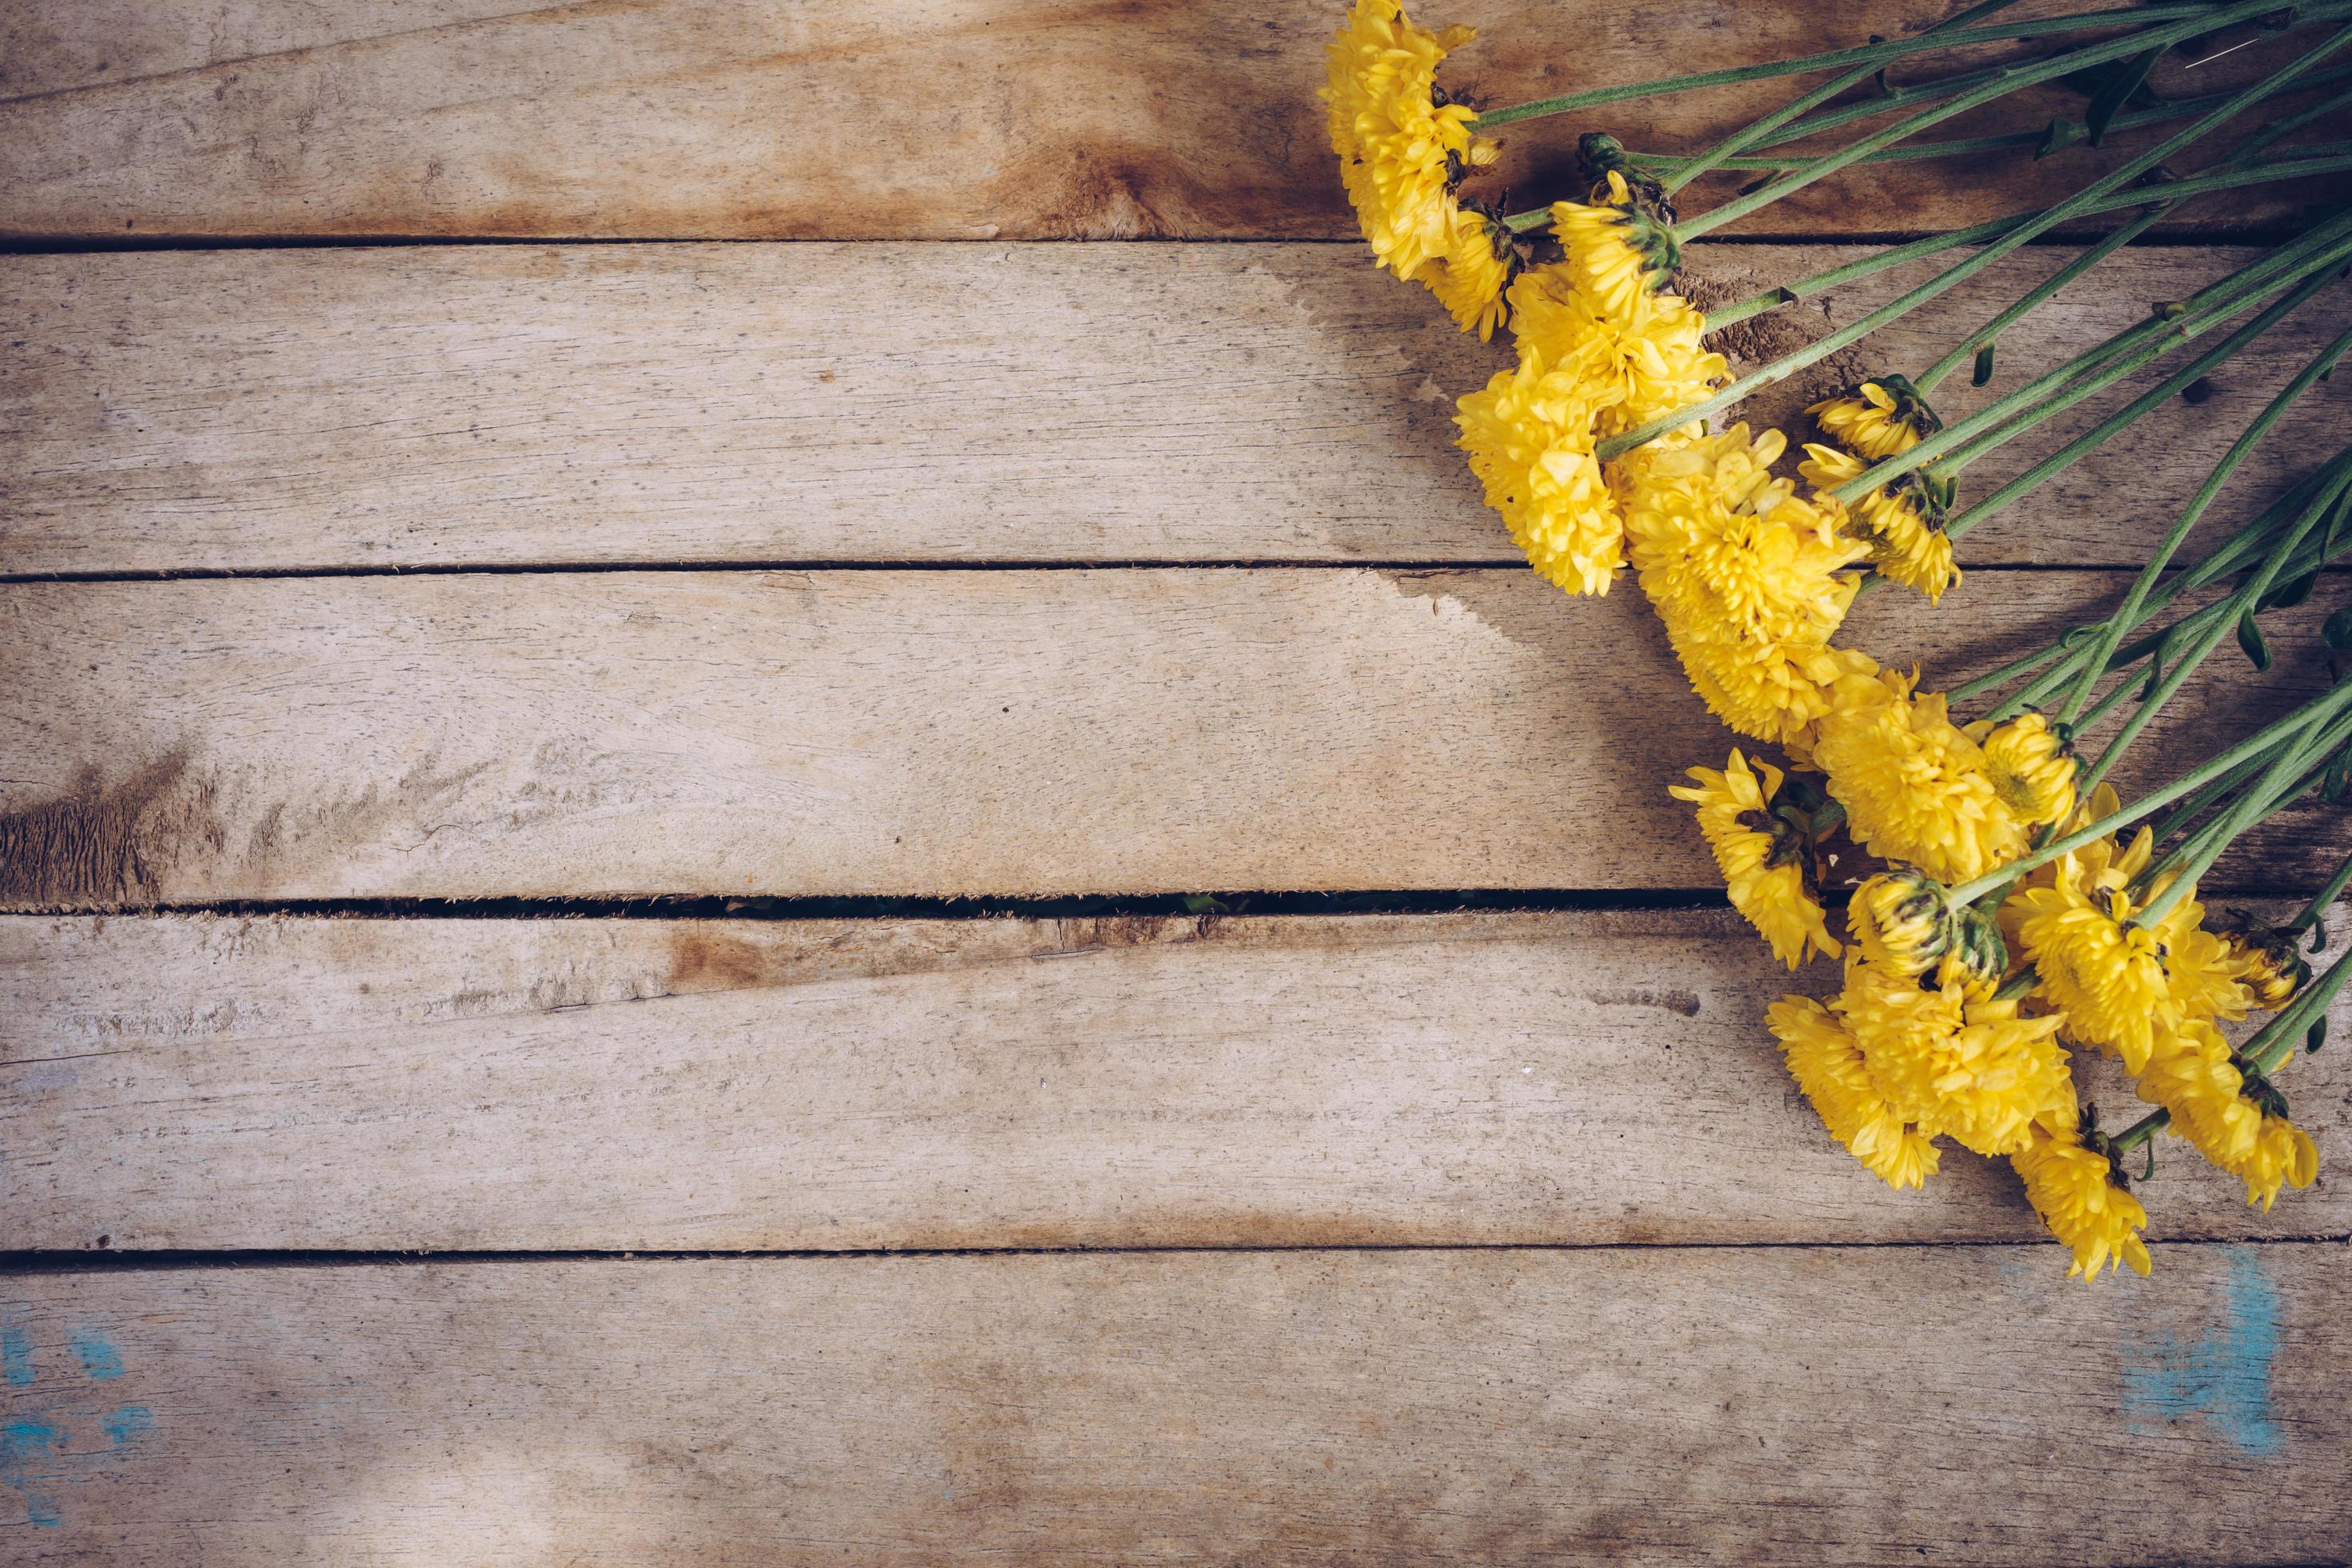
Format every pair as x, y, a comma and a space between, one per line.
502, 405
534, 1085
915, 119
1802, 1405
910, 733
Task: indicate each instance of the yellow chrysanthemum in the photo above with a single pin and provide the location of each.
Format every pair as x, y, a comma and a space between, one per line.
1471, 278
1901, 921
1402, 147
2032, 767
1764, 860
1915, 788
1529, 434
2194, 1076
1827, 1064
1727, 552
2070, 1188
1635, 370
1876, 420
1952, 1059
2107, 975
1901, 524
1617, 253
2267, 960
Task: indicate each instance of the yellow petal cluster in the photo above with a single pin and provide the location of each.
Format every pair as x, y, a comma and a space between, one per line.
2193, 1075
1529, 436
1952, 1059
2121, 984
1613, 250
2070, 1187
2267, 961
1914, 787
1635, 369
1764, 861
1751, 579
1901, 525
1872, 423
2032, 767
1402, 147
1828, 1067
1471, 278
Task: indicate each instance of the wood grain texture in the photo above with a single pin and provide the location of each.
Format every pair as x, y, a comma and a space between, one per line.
536, 1085
498, 406
914, 732
899, 119
1801, 1405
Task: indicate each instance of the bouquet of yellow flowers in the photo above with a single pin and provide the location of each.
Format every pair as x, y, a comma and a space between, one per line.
2021, 910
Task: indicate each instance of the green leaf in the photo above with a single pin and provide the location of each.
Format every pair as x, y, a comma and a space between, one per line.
2337, 631
2249, 638
1983, 371
2287, 596
2061, 134
2118, 84
2318, 1035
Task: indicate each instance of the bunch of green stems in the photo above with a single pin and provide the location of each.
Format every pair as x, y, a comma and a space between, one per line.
2127, 666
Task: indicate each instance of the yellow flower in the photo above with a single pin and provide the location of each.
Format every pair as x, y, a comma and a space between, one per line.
1634, 371
1728, 553
2194, 1076
1915, 788
1903, 525
1876, 420
2032, 767
1904, 921
1952, 1059
2070, 1188
1402, 147
1765, 862
2267, 960
1470, 279
1617, 249
2107, 974
1529, 436
1827, 1064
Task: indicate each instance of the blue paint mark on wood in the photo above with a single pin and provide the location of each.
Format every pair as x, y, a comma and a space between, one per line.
127, 1425
17, 1356
96, 1352
20, 1443
2225, 1374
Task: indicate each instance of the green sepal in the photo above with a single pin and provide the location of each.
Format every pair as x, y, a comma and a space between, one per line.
2250, 641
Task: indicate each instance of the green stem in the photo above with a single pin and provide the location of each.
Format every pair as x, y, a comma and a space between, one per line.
2274, 1041
2215, 302
1756, 130
1991, 229
1839, 59
1666, 163
2297, 723
1968, 347
2239, 451
2003, 82
2269, 791
2243, 598
1951, 278
2106, 429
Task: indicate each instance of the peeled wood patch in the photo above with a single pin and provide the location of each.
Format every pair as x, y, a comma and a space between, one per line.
107, 844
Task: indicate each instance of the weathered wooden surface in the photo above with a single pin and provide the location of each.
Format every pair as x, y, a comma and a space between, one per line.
902, 118
1805, 1405
910, 733
437, 1085
273, 409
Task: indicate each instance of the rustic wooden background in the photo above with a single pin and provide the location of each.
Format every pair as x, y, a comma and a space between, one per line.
597, 841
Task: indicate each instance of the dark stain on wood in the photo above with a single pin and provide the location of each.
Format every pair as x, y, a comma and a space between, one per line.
101, 844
